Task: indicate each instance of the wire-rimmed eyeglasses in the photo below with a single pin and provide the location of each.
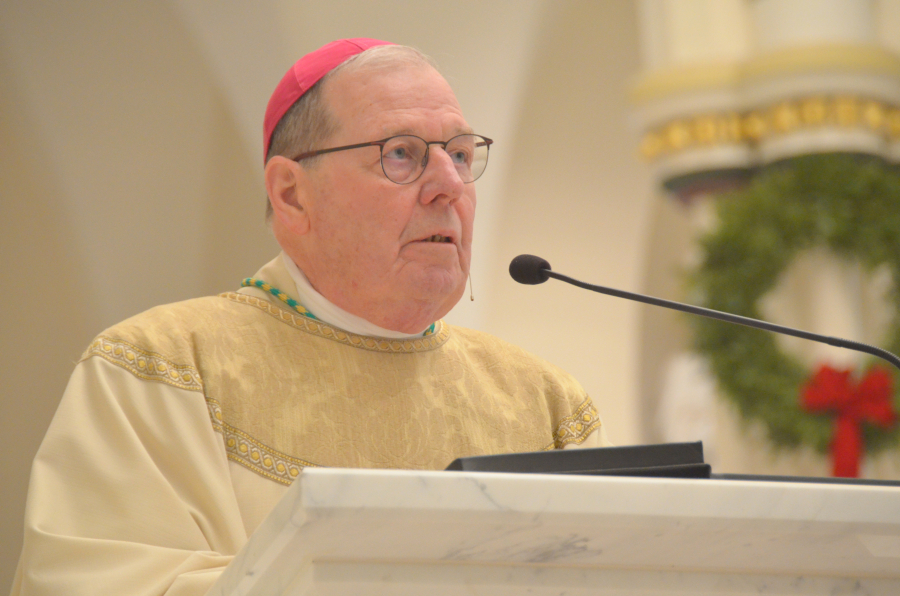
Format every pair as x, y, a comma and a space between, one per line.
404, 157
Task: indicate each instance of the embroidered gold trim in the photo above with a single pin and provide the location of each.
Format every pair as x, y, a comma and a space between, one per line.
373, 344
243, 449
145, 365
577, 427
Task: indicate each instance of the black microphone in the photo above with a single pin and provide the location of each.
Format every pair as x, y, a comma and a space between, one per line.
529, 269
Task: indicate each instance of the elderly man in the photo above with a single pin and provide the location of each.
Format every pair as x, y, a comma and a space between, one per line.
183, 426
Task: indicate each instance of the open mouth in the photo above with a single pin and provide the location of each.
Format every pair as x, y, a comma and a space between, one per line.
438, 238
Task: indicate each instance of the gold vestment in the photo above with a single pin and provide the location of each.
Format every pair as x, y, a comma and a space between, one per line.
182, 426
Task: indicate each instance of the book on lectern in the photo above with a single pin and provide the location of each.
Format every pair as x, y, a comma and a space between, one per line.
669, 460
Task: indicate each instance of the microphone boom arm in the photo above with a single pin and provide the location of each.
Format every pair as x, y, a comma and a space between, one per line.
730, 318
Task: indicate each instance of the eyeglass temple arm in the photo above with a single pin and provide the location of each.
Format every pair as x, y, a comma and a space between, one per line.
333, 149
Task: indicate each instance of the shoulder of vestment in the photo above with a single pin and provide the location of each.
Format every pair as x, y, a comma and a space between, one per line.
204, 333
161, 344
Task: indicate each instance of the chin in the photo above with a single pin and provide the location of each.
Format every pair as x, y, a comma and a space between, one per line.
437, 283
444, 291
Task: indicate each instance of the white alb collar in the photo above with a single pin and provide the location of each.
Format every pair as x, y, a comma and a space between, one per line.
329, 313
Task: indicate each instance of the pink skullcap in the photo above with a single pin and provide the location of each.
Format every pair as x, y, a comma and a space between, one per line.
305, 73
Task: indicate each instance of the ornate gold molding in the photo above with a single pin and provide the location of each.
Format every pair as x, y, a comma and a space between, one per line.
711, 130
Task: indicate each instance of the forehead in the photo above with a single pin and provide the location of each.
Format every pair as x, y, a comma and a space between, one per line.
393, 99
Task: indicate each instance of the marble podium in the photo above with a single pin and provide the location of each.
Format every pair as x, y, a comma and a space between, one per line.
374, 532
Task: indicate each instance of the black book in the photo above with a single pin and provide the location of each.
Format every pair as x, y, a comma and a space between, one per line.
664, 460
669, 460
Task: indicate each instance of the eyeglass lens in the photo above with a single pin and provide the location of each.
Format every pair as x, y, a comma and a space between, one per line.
403, 157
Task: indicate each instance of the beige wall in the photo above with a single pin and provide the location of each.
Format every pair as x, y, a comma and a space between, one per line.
577, 196
130, 175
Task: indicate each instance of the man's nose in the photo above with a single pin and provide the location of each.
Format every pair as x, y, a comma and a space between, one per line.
441, 178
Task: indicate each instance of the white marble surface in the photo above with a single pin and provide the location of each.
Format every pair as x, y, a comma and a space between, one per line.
401, 532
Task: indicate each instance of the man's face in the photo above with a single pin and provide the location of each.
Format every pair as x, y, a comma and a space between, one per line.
369, 247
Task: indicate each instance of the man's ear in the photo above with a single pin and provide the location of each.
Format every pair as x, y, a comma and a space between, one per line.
287, 186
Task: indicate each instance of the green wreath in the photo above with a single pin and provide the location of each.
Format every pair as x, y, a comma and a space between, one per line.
847, 203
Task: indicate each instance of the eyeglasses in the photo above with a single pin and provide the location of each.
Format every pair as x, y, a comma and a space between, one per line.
404, 157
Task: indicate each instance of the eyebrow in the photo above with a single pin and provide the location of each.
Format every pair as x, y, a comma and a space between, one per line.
460, 130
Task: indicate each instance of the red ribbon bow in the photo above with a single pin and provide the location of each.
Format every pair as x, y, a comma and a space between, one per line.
853, 403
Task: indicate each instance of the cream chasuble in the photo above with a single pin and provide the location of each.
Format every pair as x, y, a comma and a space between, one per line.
183, 426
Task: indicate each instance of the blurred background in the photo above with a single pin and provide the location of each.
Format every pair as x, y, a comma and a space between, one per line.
131, 175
